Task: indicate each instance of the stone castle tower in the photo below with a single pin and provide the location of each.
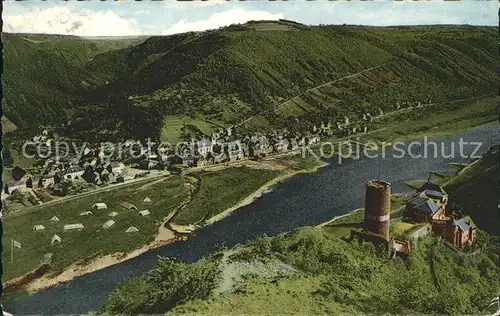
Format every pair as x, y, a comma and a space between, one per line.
378, 207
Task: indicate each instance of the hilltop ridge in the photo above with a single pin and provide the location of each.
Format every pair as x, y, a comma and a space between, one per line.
282, 74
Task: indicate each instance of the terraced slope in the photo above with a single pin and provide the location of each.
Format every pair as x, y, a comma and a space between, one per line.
262, 75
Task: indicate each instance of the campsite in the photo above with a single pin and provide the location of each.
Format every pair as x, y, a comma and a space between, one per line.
86, 236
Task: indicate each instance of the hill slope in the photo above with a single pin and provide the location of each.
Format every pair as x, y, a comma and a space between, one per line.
475, 191
44, 76
232, 74
270, 74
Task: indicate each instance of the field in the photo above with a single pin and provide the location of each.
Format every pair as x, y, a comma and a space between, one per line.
93, 240
401, 229
172, 128
298, 162
18, 159
221, 190
342, 227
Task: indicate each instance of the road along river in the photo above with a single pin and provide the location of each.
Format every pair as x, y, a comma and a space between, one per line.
304, 200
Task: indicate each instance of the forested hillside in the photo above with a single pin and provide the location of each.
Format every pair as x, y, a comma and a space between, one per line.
45, 76
259, 75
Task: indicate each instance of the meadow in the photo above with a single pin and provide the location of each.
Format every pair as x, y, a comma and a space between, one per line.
93, 240
221, 190
172, 129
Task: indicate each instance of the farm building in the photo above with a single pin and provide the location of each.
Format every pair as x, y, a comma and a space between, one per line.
86, 213
99, 206
55, 239
128, 206
108, 224
38, 228
144, 213
132, 229
54, 219
73, 227
147, 200
113, 214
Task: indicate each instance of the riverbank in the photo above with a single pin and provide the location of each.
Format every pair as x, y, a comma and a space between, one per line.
164, 236
266, 187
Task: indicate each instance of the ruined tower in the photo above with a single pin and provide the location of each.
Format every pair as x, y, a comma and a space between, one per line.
378, 207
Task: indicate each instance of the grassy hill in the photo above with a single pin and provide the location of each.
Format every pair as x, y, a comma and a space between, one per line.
258, 75
317, 271
311, 272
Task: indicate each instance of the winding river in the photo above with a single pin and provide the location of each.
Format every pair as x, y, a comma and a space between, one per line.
303, 200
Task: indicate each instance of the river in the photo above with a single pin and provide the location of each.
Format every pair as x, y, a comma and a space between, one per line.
304, 200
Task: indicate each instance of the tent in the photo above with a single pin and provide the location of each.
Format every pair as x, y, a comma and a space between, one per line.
73, 227
128, 206
132, 229
108, 224
99, 206
144, 213
147, 200
38, 228
86, 213
54, 218
55, 239
113, 214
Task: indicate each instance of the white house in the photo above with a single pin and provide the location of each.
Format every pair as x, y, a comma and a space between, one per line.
87, 213
113, 214
205, 147
117, 168
144, 213
235, 150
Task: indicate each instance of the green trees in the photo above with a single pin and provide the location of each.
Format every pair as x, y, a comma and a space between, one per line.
172, 282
